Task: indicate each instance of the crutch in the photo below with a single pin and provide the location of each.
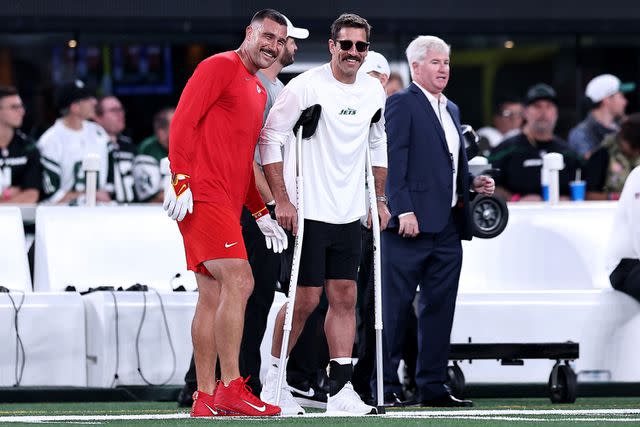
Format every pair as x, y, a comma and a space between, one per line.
305, 127
377, 274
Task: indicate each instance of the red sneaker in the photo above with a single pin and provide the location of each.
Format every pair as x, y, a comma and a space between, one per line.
237, 399
203, 405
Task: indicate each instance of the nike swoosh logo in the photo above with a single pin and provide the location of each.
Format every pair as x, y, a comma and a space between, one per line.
308, 393
228, 245
213, 411
257, 408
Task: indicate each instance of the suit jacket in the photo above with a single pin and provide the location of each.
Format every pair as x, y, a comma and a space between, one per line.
420, 167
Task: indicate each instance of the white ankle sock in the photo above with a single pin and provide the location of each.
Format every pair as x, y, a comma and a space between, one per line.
275, 362
342, 360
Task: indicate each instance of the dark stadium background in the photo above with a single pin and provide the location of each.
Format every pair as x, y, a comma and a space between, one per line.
562, 42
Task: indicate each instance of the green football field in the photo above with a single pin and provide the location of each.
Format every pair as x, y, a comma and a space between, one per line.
487, 412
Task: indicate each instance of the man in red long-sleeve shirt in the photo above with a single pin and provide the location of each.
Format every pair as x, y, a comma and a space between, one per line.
213, 137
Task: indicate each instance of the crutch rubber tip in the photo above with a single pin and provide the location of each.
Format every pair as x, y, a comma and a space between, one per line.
380, 410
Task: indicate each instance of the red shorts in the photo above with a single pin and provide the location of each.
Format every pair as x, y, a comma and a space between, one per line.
212, 231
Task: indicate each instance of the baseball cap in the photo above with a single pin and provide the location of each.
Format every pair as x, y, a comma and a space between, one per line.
606, 85
540, 91
295, 32
71, 92
375, 62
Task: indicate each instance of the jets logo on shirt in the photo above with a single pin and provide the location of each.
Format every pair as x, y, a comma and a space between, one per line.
258, 89
347, 112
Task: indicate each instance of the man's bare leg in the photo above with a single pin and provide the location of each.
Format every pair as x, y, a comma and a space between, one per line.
340, 323
340, 327
202, 333
236, 286
307, 299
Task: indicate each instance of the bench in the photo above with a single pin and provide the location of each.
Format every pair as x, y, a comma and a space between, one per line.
544, 280
51, 346
112, 247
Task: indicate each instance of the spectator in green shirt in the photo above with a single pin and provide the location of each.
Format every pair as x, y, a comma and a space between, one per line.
146, 167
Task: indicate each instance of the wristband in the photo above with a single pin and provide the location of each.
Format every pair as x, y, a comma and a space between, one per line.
180, 183
272, 210
382, 199
262, 212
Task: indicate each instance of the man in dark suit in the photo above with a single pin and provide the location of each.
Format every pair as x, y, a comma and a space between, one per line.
428, 191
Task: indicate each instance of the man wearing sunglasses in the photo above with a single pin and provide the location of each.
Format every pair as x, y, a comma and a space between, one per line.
333, 168
508, 119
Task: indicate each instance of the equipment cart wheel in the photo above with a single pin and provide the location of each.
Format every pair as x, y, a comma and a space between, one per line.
456, 380
562, 384
490, 216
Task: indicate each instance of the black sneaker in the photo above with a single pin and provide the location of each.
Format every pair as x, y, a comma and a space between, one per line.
392, 400
185, 397
308, 396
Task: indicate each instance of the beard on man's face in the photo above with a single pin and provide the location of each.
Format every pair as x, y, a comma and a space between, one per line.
286, 58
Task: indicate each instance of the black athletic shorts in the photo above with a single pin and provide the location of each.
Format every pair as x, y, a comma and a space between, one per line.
329, 251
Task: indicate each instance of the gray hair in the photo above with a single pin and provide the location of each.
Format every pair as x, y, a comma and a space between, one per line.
418, 48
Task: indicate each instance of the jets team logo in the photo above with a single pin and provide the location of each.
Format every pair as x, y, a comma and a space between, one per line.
258, 89
347, 112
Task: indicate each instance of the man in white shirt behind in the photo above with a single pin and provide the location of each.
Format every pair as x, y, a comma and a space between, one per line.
65, 144
623, 254
334, 188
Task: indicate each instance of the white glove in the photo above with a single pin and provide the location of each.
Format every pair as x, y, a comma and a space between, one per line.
274, 234
178, 199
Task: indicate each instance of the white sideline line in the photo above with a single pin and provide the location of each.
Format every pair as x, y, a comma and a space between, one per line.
53, 418
608, 420
537, 420
492, 414
487, 412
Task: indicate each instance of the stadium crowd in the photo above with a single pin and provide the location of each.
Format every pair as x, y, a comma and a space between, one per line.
603, 148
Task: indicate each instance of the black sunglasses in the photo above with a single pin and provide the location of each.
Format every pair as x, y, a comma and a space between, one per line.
347, 44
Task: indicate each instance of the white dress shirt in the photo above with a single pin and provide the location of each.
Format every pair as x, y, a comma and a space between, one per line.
451, 134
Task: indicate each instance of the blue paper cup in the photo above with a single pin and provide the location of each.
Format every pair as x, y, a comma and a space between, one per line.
578, 190
545, 193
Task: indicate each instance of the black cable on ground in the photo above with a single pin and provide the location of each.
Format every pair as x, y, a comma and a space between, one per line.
115, 374
166, 325
18, 371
